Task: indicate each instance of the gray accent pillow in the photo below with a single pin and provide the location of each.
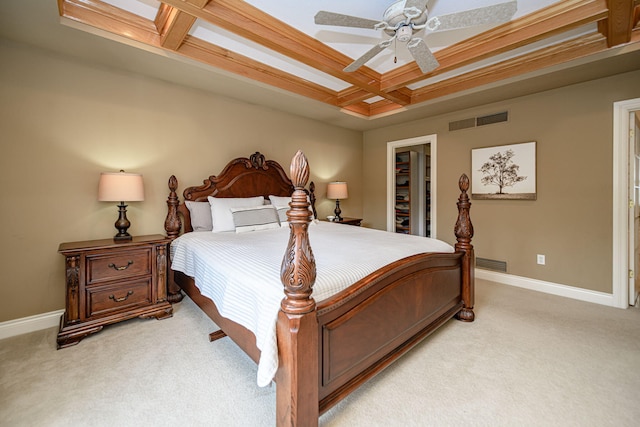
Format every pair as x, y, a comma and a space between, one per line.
255, 218
200, 215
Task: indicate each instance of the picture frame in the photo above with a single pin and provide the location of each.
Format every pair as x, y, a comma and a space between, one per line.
504, 172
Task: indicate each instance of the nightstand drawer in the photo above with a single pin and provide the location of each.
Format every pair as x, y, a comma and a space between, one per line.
118, 265
103, 299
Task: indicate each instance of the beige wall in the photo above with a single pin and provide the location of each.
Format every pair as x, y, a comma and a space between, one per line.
571, 220
63, 122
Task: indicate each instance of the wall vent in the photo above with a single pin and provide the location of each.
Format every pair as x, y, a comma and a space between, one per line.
479, 121
491, 264
492, 118
462, 124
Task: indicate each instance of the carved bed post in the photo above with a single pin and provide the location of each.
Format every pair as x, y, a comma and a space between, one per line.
464, 233
172, 225
297, 328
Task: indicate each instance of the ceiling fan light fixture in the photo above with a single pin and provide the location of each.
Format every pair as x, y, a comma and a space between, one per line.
404, 33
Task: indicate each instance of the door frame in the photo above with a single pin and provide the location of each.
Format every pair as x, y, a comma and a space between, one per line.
621, 197
391, 201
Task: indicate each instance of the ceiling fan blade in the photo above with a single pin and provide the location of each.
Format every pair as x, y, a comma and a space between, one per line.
366, 57
423, 55
331, 18
496, 14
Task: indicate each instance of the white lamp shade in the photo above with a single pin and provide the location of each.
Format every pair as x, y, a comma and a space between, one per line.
120, 187
337, 190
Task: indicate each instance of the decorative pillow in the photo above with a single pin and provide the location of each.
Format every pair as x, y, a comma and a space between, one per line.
280, 201
282, 214
283, 202
221, 217
261, 217
200, 215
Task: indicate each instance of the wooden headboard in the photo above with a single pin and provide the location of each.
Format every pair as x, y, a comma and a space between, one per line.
241, 177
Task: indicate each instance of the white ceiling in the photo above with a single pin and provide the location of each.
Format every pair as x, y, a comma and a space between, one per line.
37, 22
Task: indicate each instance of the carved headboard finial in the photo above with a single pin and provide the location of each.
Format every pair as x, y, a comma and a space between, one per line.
257, 160
463, 228
172, 222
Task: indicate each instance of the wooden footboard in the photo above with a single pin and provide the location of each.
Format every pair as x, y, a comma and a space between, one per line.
381, 317
360, 331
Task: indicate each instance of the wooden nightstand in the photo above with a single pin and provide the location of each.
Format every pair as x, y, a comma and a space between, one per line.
108, 282
347, 220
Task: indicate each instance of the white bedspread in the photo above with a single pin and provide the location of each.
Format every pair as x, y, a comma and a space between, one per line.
241, 272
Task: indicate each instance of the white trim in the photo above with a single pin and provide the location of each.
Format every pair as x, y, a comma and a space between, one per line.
546, 287
620, 257
25, 325
391, 202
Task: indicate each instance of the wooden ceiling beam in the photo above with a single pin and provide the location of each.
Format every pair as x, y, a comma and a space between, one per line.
112, 19
618, 25
361, 108
560, 17
173, 25
384, 107
352, 95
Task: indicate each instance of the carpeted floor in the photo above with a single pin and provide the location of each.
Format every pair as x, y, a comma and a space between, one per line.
529, 359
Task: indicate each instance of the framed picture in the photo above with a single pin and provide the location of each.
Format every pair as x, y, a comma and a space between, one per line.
504, 172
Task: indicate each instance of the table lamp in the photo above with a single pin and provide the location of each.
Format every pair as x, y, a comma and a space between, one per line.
121, 187
337, 190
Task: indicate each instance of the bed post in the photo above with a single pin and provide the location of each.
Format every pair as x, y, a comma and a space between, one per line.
172, 225
297, 327
464, 233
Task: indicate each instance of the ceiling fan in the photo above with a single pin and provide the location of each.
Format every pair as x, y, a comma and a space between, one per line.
404, 18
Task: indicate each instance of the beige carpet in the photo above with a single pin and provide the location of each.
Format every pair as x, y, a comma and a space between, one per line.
529, 359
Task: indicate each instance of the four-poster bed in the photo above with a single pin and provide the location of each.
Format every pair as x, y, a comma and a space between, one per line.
327, 348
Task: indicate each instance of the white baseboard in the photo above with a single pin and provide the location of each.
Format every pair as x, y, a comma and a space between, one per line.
547, 287
25, 325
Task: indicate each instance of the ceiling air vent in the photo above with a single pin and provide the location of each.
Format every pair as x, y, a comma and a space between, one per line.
479, 121
492, 118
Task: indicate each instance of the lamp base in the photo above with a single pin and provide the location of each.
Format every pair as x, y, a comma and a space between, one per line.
122, 224
337, 211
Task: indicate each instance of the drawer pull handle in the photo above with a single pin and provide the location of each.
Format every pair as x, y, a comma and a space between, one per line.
124, 298
123, 267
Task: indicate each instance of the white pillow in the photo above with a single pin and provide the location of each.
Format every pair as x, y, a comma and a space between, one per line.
200, 215
282, 214
281, 202
261, 217
221, 217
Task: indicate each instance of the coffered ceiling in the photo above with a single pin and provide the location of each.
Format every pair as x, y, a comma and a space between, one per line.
277, 43
272, 52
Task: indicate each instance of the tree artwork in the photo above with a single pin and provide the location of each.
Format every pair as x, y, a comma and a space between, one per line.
501, 171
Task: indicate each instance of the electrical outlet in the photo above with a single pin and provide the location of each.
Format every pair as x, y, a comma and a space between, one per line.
541, 259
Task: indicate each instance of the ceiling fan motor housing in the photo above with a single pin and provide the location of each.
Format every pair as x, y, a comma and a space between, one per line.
394, 16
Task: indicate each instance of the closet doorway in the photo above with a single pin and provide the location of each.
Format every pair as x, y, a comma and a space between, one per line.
625, 230
411, 186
